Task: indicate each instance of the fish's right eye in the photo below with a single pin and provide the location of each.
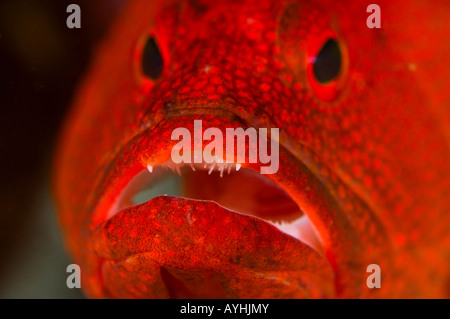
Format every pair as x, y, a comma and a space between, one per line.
152, 62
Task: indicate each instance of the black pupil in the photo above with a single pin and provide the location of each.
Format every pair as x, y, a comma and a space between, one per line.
152, 61
328, 62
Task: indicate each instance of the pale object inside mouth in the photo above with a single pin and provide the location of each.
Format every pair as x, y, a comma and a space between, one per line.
239, 189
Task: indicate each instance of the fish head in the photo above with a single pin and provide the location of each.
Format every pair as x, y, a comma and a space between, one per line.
344, 193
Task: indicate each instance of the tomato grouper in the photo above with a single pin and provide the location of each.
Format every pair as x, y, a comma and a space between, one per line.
364, 152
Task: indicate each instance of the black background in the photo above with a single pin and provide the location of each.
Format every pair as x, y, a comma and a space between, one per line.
41, 62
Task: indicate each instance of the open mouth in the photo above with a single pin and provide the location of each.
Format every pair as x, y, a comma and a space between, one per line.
208, 230
238, 189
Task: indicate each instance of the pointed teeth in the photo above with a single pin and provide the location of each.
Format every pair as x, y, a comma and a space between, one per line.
221, 167
213, 165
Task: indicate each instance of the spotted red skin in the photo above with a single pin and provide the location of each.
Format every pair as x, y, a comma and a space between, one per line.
201, 260
381, 148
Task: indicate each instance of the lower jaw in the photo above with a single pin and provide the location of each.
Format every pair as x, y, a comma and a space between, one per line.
172, 247
158, 247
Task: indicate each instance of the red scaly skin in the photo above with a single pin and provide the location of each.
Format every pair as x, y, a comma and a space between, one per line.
366, 157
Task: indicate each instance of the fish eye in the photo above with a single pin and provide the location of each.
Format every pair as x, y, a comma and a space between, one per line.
152, 62
327, 69
328, 62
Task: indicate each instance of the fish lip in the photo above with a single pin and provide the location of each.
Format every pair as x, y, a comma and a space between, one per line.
317, 202
230, 242
124, 167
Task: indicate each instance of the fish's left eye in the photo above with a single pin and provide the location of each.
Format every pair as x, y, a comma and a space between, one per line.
327, 64
327, 69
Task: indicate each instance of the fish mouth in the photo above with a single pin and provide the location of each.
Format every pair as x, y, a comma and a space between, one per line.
210, 230
238, 189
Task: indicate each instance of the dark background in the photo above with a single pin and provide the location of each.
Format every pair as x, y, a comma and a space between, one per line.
41, 62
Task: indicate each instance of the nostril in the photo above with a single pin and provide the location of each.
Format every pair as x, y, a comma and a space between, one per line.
168, 105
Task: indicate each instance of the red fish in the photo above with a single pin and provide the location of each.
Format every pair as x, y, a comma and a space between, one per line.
363, 117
